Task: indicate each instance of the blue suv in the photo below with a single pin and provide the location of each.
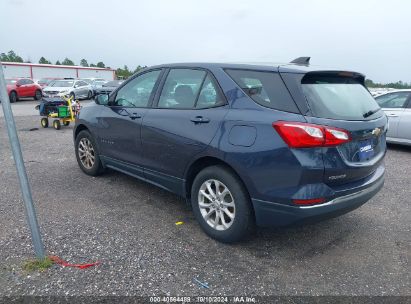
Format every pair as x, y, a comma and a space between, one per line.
245, 144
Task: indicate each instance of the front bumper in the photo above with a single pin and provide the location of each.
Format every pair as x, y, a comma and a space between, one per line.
275, 214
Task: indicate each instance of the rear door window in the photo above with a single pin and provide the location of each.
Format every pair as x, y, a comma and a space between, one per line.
181, 88
265, 88
190, 89
210, 95
393, 100
338, 97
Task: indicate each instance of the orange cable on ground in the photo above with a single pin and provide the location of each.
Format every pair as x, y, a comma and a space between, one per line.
63, 263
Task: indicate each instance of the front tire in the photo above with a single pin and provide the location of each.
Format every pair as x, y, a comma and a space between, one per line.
89, 95
56, 124
87, 154
221, 204
13, 97
38, 95
44, 122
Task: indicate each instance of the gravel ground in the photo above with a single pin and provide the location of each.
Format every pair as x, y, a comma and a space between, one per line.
129, 226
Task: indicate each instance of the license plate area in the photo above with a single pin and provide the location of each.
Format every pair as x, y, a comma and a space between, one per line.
366, 150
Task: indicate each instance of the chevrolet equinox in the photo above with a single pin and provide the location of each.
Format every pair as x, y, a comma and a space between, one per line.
245, 144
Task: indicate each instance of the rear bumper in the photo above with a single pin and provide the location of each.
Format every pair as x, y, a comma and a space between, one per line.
275, 214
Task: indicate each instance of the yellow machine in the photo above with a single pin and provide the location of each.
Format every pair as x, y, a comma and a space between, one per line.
62, 114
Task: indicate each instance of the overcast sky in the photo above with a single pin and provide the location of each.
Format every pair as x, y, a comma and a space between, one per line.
372, 37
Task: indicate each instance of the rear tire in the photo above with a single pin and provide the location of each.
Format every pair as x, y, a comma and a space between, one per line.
56, 124
229, 206
44, 122
13, 97
87, 154
38, 95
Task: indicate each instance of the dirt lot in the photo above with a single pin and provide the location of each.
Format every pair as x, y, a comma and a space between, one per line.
130, 227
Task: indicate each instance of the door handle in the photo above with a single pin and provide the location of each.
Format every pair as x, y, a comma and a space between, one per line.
392, 115
200, 119
134, 116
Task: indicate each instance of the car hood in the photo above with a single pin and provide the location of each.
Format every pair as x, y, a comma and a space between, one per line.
107, 88
58, 89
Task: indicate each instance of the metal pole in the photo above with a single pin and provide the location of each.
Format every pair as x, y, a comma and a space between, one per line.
21, 169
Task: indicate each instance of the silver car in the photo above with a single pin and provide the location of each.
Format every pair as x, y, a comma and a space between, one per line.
397, 105
79, 89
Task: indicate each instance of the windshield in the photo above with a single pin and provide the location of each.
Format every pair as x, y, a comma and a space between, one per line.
339, 98
62, 83
44, 81
11, 81
114, 83
393, 100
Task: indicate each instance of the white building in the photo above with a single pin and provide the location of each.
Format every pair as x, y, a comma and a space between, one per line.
38, 71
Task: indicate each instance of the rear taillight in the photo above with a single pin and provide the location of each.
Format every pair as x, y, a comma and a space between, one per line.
304, 135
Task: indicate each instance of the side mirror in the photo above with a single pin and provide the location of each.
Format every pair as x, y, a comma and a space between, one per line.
18, 84
101, 99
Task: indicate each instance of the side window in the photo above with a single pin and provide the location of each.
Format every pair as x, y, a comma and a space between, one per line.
137, 92
393, 100
181, 88
265, 88
210, 95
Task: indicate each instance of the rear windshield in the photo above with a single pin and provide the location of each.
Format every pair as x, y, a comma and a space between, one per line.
338, 97
265, 88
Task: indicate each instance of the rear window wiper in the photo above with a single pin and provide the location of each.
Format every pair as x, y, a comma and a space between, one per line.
369, 113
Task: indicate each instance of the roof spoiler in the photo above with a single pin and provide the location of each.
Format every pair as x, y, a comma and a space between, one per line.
301, 60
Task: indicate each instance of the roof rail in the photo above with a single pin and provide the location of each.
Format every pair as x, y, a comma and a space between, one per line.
301, 60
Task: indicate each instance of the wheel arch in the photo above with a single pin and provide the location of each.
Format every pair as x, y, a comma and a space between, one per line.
80, 128
38, 90
203, 163
14, 91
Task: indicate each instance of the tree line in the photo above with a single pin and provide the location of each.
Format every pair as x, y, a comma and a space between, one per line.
394, 85
125, 72
122, 73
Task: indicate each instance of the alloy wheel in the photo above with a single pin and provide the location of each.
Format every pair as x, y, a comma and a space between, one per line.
86, 153
216, 204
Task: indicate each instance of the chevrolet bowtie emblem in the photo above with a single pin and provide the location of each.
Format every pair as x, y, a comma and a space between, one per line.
376, 131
